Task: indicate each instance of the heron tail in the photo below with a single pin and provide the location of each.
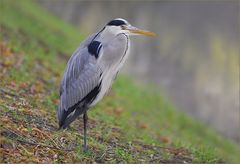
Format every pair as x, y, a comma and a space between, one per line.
65, 118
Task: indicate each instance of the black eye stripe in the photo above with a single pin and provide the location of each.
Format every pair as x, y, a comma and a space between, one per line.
116, 23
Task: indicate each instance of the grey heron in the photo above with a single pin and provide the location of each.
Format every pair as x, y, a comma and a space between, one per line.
92, 69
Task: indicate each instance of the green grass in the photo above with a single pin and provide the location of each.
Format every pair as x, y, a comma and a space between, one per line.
130, 124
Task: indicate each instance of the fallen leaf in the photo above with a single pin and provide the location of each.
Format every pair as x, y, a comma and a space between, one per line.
23, 85
118, 111
24, 110
5, 50
164, 139
109, 110
13, 84
142, 125
36, 88
56, 101
24, 130
5, 119
38, 133
55, 156
7, 62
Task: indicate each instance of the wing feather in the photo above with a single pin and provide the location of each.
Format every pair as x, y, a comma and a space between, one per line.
81, 76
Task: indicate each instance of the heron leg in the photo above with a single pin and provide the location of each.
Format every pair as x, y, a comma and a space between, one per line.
85, 119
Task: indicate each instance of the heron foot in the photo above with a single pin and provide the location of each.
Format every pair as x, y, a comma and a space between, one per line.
85, 148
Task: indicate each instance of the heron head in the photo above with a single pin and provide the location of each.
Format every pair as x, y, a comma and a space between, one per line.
119, 25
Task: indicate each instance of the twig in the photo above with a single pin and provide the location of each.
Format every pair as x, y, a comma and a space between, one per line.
8, 92
34, 142
43, 145
36, 129
29, 153
156, 146
18, 135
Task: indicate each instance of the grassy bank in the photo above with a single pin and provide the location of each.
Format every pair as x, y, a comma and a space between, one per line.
130, 124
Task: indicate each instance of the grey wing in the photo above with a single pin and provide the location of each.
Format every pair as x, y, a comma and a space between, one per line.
82, 60
81, 76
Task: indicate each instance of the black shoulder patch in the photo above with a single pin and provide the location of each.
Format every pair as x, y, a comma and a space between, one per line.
116, 22
94, 48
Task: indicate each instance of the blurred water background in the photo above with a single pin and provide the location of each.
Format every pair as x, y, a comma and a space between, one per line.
194, 60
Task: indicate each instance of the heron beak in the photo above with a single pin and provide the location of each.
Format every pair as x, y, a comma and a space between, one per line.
137, 31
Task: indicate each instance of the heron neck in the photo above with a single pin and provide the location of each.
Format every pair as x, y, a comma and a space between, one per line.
106, 36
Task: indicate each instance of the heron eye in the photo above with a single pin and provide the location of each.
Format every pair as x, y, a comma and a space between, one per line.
123, 27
